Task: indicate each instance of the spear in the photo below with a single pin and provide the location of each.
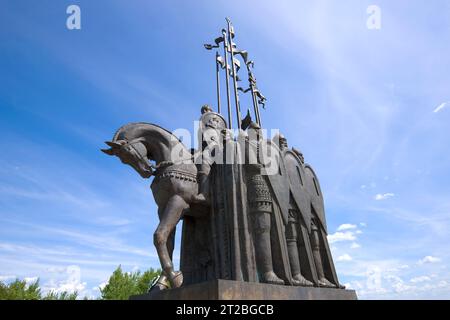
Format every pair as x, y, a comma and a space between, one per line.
253, 89
218, 81
224, 63
227, 79
236, 95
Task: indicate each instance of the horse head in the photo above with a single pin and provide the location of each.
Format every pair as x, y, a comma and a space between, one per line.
132, 153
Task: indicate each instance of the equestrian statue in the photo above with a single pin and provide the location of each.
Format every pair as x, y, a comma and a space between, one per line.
252, 210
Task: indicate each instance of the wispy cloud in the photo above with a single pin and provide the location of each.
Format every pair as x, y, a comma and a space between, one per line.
344, 257
429, 259
344, 233
383, 196
346, 226
420, 279
341, 236
441, 107
355, 245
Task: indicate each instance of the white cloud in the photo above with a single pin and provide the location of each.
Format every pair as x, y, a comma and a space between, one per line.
441, 107
363, 224
429, 259
373, 282
341, 236
346, 226
420, 279
397, 269
30, 280
383, 196
355, 245
391, 279
66, 280
403, 266
345, 257
399, 286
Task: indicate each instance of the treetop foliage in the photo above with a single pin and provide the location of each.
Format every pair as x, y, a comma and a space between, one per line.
121, 285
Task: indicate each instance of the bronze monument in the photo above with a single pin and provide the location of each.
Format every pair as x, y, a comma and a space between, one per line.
253, 213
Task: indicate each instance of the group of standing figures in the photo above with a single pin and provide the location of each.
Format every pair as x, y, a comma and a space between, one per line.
252, 209
266, 219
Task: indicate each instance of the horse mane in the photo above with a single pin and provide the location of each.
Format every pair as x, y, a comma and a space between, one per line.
132, 124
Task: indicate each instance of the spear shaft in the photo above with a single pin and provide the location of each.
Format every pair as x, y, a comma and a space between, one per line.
227, 79
233, 67
218, 82
259, 117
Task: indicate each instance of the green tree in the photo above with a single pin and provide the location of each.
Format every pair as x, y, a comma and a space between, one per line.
20, 290
121, 285
52, 295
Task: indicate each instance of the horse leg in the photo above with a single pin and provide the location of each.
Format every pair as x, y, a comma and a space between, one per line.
163, 282
164, 237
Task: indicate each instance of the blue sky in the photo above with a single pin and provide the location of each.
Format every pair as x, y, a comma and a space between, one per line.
369, 109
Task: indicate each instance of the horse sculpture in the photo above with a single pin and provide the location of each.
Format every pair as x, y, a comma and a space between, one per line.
174, 186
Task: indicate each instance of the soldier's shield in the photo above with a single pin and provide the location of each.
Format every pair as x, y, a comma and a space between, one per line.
316, 195
298, 185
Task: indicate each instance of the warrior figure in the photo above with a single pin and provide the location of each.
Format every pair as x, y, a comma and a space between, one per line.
211, 127
326, 274
292, 230
260, 208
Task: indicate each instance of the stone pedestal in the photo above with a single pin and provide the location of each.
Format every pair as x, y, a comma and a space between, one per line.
235, 290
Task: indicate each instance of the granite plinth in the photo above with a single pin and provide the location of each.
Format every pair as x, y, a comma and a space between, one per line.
235, 290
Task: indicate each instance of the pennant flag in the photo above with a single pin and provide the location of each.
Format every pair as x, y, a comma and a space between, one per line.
243, 53
221, 61
244, 91
209, 46
237, 63
217, 42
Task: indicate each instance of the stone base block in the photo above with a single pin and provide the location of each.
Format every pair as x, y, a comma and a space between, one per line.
235, 290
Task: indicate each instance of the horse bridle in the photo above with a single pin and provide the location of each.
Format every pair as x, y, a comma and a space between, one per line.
130, 146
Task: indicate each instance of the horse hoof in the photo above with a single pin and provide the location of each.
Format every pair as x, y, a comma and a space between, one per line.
161, 284
177, 279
